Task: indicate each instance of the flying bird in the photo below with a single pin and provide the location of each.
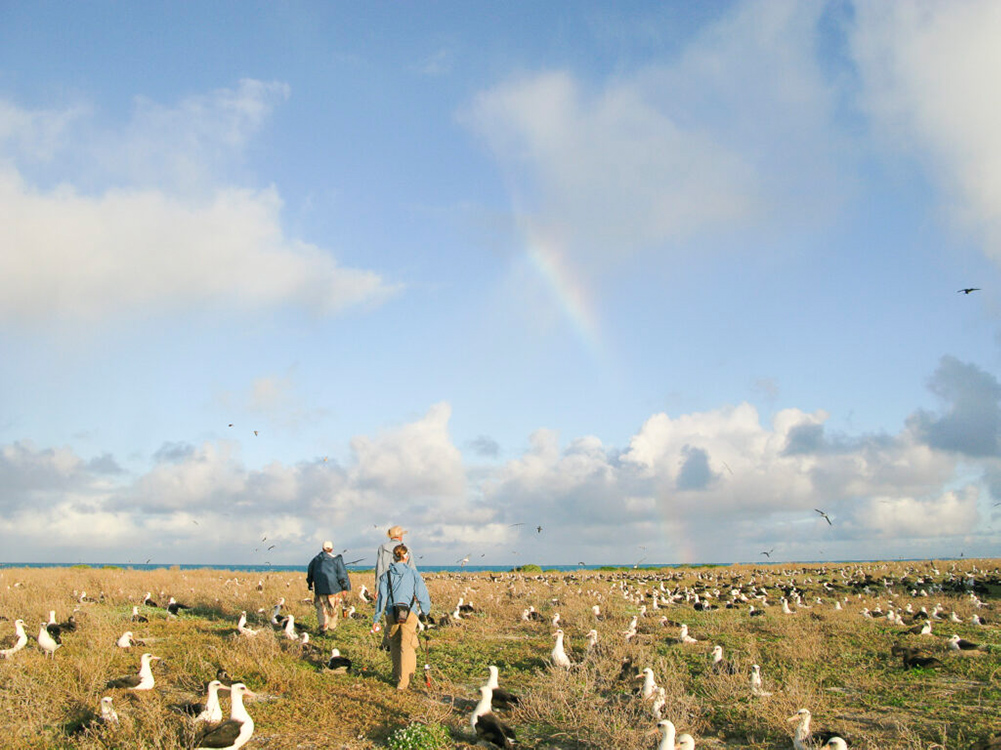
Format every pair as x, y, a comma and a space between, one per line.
824, 516
968, 289
538, 529
768, 554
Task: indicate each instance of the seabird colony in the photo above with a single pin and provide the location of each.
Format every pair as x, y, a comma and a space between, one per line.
645, 596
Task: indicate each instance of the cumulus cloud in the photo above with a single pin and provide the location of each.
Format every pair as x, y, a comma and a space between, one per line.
140, 252
926, 69
166, 231
950, 514
654, 157
680, 486
971, 424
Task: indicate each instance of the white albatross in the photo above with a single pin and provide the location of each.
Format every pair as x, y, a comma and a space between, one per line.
649, 685
108, 713
487, 726
503, 698
668, 733
46, 642
124, 640
236, 731
241, 626
212, 713
141, 681
684, 637
20, 640
756, 685
559, 655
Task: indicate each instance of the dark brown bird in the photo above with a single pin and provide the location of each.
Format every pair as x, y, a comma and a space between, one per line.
968, 290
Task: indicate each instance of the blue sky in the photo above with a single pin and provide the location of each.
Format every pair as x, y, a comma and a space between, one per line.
660, 278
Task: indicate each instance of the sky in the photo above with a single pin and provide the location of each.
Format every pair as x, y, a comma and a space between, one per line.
612, 283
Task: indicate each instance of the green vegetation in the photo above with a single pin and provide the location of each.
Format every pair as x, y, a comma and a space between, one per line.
419, 737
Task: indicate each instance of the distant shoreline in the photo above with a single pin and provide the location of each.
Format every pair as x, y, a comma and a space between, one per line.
533, 568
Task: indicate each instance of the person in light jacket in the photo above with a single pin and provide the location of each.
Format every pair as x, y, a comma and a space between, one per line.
408, 588
327, 578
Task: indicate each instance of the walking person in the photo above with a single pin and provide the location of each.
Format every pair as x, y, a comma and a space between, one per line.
401, 585
383, 559
384, 555
327, 577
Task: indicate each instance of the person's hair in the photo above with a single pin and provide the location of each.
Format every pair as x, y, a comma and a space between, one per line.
400, 551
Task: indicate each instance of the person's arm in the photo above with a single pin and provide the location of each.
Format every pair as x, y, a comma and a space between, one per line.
380, 599
309, 574
421, 594
342, 574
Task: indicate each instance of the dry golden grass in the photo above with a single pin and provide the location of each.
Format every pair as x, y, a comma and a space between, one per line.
836, 663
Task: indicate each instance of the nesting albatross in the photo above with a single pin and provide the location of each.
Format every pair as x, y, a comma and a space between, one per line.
236, 731
143, 680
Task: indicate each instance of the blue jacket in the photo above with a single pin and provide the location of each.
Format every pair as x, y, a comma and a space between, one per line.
407, 585
327, 574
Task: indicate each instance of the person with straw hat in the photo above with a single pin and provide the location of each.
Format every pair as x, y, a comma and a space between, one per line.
383, 559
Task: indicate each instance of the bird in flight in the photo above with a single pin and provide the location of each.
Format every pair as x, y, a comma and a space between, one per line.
463, 561
538, 529
255, 433
968, 290
768, 554
517, 524
824, 515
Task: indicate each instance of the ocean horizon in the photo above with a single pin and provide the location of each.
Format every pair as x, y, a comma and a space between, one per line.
268, 568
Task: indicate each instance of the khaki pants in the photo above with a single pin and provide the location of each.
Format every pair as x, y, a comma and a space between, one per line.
403, 649
326, 610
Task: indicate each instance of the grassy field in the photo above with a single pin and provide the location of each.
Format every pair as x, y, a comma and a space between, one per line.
835, 662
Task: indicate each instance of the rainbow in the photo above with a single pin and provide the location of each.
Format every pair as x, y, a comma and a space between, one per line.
569, 292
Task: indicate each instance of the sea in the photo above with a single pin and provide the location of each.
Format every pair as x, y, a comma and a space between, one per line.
268, 568
301, 568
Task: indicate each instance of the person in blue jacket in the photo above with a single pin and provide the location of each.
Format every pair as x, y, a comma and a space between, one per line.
408, 588
327, 578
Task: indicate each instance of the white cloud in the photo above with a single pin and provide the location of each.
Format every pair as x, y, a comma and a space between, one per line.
681, 486
167, 232
929, 72
653, 158
35, 135
951, 514
141, 252
415, 460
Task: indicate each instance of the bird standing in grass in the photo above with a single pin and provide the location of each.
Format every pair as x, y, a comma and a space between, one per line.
20, 641
503, 698
46, 642
236, 731
668, 733
558, 654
